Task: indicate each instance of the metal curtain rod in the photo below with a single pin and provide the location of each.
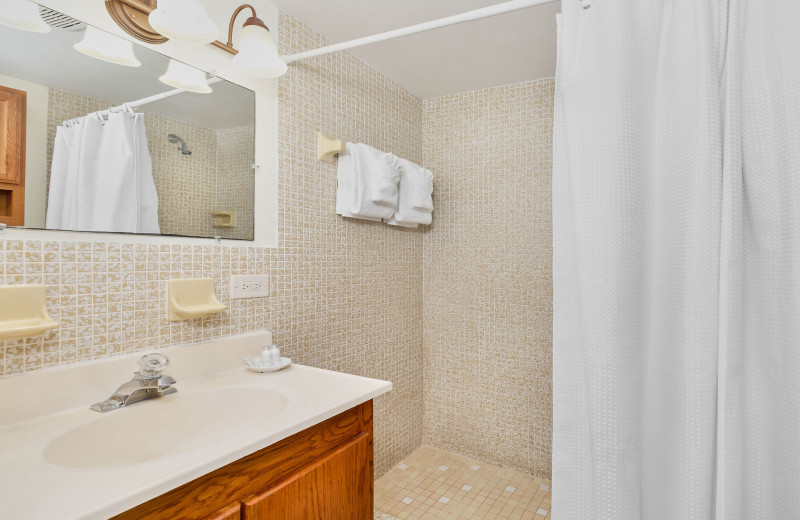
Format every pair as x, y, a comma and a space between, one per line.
477, 14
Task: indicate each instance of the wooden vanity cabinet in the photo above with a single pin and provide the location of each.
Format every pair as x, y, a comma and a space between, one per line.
13, 120
324, 472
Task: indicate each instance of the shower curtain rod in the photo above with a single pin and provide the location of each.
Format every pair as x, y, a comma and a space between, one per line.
165, 95
476, 14
152, 99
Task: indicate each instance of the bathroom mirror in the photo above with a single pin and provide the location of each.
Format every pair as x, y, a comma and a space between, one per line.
103, 135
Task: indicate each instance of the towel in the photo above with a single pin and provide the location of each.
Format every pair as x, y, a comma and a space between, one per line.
384, 179
405, 214
421, 188
346, 190
364, 157
392, 222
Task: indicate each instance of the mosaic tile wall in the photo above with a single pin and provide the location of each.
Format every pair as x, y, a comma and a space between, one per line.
235, 156
353, 289
346, 295
187, 185
488, 284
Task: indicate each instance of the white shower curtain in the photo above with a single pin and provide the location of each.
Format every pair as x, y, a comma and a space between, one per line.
677, 261
101, 177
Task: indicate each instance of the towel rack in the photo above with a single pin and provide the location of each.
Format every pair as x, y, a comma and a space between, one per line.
328, 147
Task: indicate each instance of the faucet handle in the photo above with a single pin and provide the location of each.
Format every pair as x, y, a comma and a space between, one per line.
152, 365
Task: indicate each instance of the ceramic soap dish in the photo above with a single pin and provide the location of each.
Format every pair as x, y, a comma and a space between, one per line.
258, 364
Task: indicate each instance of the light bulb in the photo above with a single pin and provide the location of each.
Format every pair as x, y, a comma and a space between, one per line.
107, 47
22, 14
181, 75
258, 55
184, 20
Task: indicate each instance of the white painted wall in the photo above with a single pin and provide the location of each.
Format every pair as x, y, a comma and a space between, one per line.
35, 148
214, 61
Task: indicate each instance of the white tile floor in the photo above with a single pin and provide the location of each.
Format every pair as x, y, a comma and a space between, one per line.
432, 484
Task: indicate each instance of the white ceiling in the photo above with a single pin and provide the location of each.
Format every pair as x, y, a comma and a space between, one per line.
50, 60
508, 48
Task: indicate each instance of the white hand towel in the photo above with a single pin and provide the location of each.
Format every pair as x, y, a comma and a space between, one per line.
346, 190
384, 178
422, 189
364, 157
392, 222
405, 214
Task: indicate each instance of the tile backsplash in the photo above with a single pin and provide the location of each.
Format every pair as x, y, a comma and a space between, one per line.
346, 295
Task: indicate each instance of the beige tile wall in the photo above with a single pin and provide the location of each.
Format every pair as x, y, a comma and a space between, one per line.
487, 271
234, 183
347, 295
186, 184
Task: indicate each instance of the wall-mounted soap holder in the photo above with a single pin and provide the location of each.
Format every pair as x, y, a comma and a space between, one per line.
192, 298
224, 219
23, 311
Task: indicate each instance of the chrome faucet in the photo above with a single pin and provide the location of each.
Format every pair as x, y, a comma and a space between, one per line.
147, 383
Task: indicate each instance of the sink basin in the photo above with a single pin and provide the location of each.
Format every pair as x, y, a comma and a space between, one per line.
158, 427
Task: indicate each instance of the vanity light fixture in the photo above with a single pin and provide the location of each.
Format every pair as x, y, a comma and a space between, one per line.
23, 14
181, 75
183, 20
107, 47
187, 21
257, 54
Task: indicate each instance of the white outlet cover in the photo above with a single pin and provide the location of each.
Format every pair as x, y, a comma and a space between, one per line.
249, 286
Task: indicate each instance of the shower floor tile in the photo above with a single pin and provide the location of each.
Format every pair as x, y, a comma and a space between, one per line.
435, 484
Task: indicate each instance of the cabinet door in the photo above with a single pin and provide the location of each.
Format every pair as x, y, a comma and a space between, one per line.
338, 487
232, 512
13, 104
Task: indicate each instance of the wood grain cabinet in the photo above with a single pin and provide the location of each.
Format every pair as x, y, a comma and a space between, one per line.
13, 106
324, 473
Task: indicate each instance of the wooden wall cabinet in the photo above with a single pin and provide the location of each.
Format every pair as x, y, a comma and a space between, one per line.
13, 118
324, 472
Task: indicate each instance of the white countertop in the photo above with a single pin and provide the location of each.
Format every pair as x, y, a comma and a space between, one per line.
35, 409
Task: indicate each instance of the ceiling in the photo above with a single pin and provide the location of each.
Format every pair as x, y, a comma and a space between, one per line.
50, 60
503, 49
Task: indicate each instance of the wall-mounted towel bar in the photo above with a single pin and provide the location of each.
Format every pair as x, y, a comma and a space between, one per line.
328, 147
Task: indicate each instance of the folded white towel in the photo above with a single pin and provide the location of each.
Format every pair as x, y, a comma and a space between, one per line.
405, 214
364, 157
392, 222
346, 190
384, 179
421, 188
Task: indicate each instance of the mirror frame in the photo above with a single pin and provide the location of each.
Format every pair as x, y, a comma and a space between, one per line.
216, 62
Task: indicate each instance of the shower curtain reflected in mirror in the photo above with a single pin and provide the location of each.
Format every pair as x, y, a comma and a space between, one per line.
676, 195
101, 177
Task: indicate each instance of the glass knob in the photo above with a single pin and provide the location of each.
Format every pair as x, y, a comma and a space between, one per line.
152, 365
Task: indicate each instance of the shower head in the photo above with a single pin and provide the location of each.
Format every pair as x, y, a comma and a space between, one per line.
174, 139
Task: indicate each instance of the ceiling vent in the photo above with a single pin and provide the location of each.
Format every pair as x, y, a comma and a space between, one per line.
60, 21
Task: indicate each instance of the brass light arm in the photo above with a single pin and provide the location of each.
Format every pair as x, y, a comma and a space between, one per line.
134, 21
253, 19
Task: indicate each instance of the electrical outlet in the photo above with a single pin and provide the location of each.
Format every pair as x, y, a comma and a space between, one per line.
249, 286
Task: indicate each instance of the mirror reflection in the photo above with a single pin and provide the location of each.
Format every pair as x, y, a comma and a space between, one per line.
104, 135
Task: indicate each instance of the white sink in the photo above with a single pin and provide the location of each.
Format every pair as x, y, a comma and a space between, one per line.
94, 465
158, 427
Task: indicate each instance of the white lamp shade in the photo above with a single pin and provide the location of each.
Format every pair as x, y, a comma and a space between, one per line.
107, 47
181, 75
258, 55
22, 14
184, 20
